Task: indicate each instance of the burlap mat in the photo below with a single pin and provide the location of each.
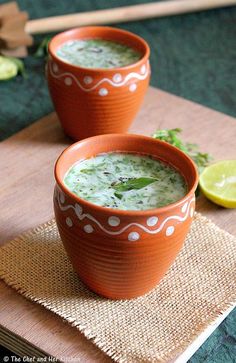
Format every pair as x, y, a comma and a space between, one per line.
153, 328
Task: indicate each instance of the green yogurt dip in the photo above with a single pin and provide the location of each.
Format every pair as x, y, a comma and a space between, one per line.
97, 53
125, 181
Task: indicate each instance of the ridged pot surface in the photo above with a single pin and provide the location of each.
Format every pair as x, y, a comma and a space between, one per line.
122, 254
97, 101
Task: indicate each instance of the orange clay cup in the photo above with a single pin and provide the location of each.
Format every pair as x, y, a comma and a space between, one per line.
122, 254
93, 101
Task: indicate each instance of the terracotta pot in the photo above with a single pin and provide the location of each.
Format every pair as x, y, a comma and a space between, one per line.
93, 101
122, 254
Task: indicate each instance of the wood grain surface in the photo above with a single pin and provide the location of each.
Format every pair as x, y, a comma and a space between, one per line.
26, 187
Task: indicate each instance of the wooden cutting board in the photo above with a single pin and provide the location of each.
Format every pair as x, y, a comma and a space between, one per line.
26, 187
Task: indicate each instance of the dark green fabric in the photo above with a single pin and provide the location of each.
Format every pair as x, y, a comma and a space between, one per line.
192, 56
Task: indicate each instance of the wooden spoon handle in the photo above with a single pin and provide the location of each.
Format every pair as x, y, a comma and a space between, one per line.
123, 14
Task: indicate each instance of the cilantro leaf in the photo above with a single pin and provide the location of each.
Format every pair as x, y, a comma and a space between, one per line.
172, 137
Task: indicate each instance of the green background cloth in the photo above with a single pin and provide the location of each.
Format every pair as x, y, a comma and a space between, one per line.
192, 55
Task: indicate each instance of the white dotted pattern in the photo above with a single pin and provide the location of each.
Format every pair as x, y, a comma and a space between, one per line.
170, 230
88, 228
69, 222
152, 221
113, 221
89, 84
68, 81
103, 92
133, 87
133, 236
117, 78
88, 80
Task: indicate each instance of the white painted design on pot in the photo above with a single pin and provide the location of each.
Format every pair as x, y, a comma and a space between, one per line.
133, 236
103, 92
62, 198
152, 221
88, 80
117, 78
68, 81
88, 228
133, 87
78, 210
113, 221
55, 67
69, 222
169, 231
143, 69
116, 81
184, 208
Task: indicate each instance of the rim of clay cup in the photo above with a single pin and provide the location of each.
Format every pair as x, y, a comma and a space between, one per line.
52, 48
120, 212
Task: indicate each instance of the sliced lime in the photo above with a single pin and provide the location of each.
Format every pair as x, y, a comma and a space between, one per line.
8, 68
218, 183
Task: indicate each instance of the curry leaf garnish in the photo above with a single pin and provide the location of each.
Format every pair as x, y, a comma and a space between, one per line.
133, 183
172, 137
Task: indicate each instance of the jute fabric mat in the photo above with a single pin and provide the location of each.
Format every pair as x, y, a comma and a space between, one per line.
199, 286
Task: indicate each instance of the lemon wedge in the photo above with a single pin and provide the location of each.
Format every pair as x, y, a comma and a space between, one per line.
8, 69
218, 183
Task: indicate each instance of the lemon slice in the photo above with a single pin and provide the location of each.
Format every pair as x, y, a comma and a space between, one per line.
8, 69
218, 183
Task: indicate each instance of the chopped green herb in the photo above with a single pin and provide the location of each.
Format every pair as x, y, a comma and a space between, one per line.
141, 182
87, 171
118, 195
172, 137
